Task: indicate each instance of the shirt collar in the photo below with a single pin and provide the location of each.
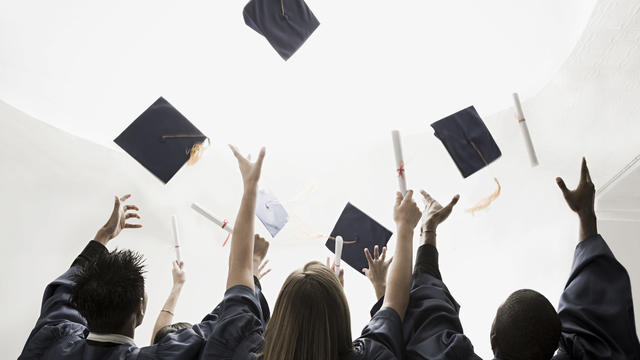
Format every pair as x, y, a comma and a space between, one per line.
111, 338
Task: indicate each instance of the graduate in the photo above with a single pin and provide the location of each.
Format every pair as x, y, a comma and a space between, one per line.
92, 310
595, 315
163, 325
311, 316
432, 327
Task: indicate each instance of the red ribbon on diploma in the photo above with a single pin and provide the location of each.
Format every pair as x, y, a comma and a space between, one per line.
227, 239
401, 170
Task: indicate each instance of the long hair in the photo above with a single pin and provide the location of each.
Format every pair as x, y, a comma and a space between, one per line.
311, 318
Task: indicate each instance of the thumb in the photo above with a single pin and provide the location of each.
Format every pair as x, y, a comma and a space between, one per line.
562, 185
454, 201
116, 207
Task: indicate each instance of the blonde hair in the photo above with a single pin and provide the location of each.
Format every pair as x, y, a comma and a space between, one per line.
311, 318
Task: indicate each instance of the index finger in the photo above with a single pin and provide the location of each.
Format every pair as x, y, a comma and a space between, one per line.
408, 197
427, 197
368, 255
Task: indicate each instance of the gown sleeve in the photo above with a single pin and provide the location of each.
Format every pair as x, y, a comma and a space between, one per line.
381, 338
235, 328
432, 327
596, 308
58, 317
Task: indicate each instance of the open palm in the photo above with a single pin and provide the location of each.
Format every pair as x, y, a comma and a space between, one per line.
118, 220
250, 170
582, 199
434, 212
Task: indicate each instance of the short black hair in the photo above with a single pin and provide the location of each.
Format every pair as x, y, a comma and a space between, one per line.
109, 289
526, 327
168, 329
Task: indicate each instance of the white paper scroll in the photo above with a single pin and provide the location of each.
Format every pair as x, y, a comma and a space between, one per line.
525, 131
224, 224
176, 238
338, 253
397, 148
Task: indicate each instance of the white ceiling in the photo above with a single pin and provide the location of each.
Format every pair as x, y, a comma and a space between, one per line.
90, 68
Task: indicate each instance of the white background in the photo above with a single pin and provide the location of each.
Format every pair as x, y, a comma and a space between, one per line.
325, 115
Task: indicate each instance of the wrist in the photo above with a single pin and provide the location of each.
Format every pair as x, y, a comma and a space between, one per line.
250, 186
102, 237
178, 286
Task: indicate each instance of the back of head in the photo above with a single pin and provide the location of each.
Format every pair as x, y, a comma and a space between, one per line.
526, 327
109, 290
166, 330
311, 317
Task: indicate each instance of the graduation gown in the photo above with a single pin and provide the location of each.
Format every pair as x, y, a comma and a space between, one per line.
432, 328
61, 332
239, 331
596, 308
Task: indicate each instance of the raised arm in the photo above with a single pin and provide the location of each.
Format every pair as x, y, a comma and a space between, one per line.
242, 239
57, 306
377, 270
406, 215
596, 307
165, 317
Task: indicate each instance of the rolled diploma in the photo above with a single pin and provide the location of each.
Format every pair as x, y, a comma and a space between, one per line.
336, 260
397, 148
209, 215
176, 238
525, 130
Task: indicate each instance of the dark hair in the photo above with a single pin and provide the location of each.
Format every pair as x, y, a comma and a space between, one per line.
109, 289
526, 327
168, 329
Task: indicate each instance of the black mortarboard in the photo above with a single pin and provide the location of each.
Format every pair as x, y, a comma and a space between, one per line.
162, 140
467, 140
286, 24
359, 231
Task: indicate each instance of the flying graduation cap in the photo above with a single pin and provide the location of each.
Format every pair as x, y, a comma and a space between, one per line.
286, 24
470, 144
162, 140
359, 231
467, 140
271, 212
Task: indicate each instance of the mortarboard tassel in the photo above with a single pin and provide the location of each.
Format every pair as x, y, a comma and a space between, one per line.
484, 203
196, 151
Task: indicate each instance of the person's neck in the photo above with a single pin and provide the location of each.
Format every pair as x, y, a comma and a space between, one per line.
128, 330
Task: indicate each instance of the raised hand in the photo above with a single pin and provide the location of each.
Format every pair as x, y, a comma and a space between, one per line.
332, 265
179, 276
582, 199
260, 272
118, 220
250, 170
377, 271
435, 214
406, 212
260, 249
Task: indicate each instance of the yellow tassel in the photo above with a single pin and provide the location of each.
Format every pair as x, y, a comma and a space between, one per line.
196, 152
484, 203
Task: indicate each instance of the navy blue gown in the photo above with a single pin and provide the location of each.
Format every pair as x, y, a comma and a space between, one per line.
596, 307
432, 328
61, 332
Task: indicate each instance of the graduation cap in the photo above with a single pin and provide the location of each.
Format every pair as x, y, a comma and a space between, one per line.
359, 231
271, 212
162, 140
286, 24
467, 140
